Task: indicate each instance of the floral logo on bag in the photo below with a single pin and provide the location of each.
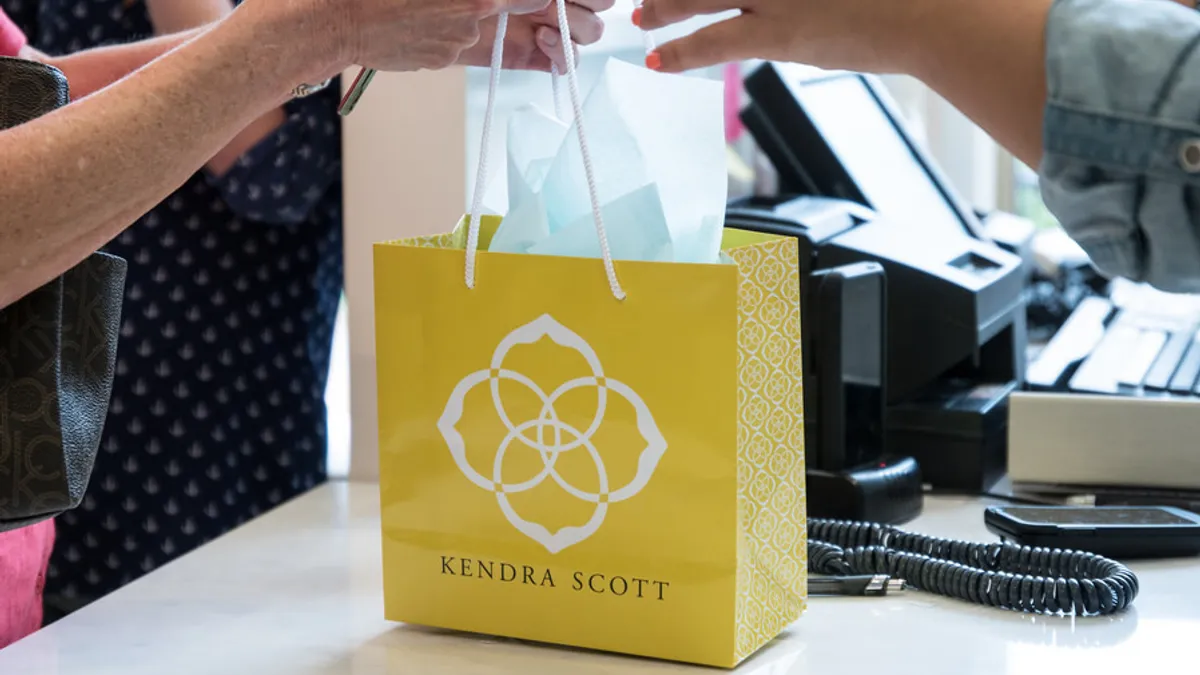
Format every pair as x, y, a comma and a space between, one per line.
550, 436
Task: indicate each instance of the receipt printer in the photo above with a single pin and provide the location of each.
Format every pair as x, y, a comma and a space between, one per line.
856, 190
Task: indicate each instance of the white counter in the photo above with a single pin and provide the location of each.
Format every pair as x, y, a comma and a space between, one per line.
297, 592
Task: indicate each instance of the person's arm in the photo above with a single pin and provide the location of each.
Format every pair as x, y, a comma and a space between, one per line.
279, 149
174, 16
72, 179
1103, 96
93, 69
986, 57
175, 22
1002, 64
268, 151
990, 64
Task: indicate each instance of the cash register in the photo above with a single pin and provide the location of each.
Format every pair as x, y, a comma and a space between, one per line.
913, 317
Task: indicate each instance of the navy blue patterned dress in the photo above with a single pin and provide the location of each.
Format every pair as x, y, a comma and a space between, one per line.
218, 410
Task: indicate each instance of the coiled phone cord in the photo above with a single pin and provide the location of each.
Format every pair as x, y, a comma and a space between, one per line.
1002, 575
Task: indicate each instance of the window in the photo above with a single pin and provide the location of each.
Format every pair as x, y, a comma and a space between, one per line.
1027, 198
337, 398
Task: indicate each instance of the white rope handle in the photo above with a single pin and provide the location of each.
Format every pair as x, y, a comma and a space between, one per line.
554, 88
577, 106
481, 172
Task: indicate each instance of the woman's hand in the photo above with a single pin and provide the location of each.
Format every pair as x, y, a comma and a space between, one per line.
864, 35
533, 41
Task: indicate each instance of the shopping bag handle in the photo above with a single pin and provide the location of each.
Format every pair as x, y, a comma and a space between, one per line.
577, 106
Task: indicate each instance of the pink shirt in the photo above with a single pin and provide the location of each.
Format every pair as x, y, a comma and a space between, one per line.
24, 553
24, 557
11, 37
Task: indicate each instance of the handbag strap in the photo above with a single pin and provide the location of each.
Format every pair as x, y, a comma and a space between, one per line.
614, 284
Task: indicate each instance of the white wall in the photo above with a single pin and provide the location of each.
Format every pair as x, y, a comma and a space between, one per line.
968, 156
404, 157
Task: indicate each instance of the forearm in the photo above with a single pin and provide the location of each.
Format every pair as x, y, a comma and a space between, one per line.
93, 69
71, 180
988, 60
173, 16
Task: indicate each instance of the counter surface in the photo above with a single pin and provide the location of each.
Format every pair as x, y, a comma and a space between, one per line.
298, 592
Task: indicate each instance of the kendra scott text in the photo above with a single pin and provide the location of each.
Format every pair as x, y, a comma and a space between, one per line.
580, 582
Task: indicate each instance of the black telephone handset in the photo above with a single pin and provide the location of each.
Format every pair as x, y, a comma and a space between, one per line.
1124, 532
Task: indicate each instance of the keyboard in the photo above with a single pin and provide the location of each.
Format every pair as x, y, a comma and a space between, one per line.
1114, 397
1136, 342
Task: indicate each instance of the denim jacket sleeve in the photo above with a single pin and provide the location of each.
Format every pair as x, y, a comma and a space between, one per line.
1121, 168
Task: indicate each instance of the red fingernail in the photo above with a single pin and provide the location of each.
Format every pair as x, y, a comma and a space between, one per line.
654, 61
637, 16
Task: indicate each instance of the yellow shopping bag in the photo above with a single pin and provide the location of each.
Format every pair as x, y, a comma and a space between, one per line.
608, 463
561, 466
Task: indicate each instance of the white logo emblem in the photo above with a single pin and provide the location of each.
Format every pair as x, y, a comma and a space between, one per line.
562, 436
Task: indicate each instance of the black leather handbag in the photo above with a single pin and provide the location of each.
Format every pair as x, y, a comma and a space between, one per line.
58, 349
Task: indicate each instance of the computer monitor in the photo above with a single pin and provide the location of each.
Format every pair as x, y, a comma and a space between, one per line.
840, 134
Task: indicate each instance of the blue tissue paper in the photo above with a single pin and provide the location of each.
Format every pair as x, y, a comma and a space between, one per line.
657, 144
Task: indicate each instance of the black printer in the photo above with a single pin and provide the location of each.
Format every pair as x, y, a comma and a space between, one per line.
913, 320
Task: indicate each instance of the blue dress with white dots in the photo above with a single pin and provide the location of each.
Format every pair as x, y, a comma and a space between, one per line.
218, 411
